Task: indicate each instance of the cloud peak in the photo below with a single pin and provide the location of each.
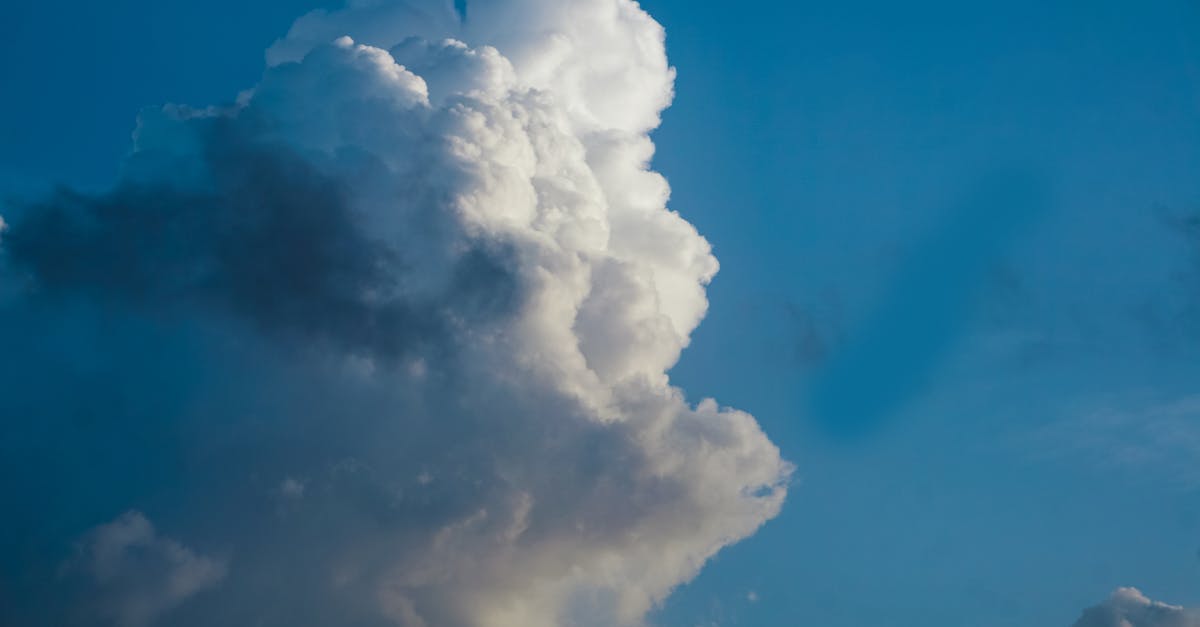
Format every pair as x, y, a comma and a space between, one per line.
470, 290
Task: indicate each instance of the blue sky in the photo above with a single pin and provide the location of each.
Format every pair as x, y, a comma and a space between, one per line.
839, 200
958, 284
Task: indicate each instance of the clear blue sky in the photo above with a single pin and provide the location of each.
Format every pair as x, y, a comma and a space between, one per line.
994, 413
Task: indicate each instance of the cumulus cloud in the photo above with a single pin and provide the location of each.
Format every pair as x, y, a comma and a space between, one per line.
264, 236
136, 574
424, 266
1128, 607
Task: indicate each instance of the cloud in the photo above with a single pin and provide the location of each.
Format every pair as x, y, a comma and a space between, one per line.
1159, 439
265, 236
392, 331
135, 574
1128, 607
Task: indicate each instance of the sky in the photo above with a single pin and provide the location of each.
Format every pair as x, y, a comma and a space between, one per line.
959, 295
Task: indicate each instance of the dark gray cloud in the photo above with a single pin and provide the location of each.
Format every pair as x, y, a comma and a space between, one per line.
265, 236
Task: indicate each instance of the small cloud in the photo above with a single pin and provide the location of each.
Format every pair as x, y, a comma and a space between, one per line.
135, 575
292, 488
752, 596
1128, 607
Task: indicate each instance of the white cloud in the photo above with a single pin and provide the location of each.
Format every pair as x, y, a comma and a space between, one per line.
462, 235
1128, 607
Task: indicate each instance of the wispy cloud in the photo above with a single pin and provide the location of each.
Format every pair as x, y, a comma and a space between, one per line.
1160, 440
134, 574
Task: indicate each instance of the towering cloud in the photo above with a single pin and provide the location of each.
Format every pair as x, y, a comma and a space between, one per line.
389, 335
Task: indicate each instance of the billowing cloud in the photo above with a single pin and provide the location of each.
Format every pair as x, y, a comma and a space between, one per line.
1128, 607
391, 333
